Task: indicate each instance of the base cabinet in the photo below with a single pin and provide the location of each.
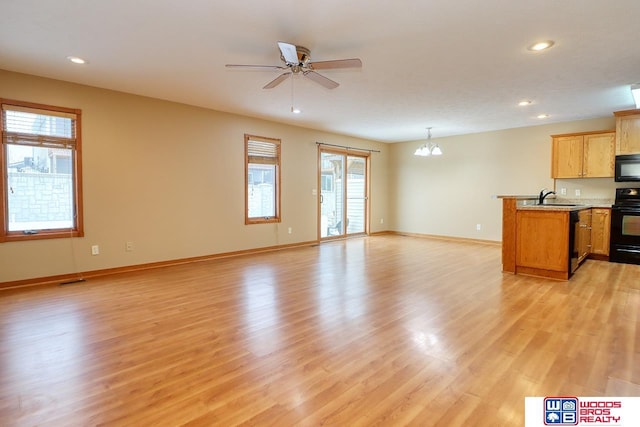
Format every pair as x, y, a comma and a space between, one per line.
600, 231
542, 243
552, 242
584, 234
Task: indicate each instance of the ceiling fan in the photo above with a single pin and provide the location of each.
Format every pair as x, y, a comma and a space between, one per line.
297, 59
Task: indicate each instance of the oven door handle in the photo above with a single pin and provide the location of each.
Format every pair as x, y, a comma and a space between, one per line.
626, 211
632, 251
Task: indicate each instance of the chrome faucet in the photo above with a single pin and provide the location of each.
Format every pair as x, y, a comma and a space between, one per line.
544, 195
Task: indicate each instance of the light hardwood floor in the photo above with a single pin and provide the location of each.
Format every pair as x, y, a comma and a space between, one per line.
384, 330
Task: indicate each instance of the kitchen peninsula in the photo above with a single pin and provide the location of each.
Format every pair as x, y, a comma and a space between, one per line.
552, 239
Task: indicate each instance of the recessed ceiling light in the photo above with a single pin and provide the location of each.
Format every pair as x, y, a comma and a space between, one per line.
542, 116
537, 47
523, 103
76, 60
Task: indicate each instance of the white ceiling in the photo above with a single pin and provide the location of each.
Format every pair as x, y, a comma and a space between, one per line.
457, 66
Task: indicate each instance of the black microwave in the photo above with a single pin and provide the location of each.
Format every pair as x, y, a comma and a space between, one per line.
628, 168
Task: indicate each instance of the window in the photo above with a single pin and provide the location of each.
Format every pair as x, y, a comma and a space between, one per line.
262, 167
40, 160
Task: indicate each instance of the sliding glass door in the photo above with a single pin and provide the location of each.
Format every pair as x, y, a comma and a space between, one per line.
343, 194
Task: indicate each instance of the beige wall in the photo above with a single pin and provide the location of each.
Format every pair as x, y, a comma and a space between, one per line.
590, 188
170, 178
449, 195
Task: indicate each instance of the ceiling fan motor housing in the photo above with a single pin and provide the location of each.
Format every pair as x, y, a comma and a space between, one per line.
304, 57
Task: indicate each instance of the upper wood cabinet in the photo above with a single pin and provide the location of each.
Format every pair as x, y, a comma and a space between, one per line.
567, 156
599, 155
583, 155
627, 132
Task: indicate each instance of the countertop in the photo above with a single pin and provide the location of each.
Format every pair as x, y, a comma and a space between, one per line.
551, 208
518, 197
530, 202
527, 204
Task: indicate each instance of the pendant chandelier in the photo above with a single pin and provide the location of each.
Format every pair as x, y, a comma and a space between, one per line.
429, 148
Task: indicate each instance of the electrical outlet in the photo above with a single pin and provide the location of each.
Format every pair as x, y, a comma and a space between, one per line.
577, 192
290, 230
381, 220
95, 250
563, 191
129, 246
478, 227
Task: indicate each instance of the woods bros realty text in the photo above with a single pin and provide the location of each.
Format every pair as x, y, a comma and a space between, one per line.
599, 412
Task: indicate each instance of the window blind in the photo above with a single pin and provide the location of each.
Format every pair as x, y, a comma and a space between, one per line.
263, 152
32, 126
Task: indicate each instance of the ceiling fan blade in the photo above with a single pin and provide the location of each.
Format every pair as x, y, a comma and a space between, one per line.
338, 63
275, 82
264, 67
318, 78
289, 52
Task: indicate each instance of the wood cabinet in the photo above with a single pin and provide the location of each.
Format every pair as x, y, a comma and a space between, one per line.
551, 242
583, 234
627, 132
583, 155
509, 208
567, 155
600, 230
542, 243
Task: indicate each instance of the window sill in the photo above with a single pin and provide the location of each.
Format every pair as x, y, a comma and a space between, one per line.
250, 221
40, 235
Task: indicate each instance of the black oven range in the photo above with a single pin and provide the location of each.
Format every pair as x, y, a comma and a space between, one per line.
625, 227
